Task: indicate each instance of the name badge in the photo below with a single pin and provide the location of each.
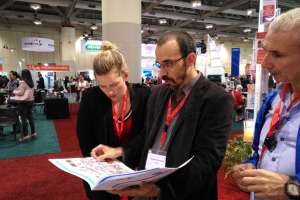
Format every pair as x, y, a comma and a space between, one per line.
155, 160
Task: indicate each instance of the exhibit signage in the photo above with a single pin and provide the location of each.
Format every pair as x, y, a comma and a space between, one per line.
37, 44
1, 64
91, 45
260, 52
269, 11
48, 68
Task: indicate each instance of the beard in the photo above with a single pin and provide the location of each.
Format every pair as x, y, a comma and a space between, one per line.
176, 83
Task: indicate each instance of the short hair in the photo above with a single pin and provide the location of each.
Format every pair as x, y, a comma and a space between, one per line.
109, 58
287, 21
184, 40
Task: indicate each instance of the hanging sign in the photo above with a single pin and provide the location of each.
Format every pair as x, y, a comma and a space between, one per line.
269, 10
1, 64
91, 46
37, 44
260, 52
48, 68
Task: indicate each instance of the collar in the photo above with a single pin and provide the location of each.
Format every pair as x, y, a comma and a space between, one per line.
188, 87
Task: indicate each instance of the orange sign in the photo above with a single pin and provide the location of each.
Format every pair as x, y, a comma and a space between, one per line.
48, 68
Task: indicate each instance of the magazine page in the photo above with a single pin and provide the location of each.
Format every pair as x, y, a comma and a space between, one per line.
89, 169
111, 176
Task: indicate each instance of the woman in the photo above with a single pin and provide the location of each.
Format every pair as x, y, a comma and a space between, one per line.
111, 114
82, 85
24, 98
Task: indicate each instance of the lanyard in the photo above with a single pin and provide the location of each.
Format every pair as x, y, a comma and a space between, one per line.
170, 116
119, 124
270, 139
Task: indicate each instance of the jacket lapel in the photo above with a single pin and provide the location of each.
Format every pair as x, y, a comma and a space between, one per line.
192, 103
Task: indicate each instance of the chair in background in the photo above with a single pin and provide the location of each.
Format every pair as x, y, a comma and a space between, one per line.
9, 117
39, 101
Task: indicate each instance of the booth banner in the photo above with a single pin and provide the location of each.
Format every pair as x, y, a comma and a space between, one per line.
48, 68
1, 64
148, 50
269, 11
37, 44
91, 46
260, 52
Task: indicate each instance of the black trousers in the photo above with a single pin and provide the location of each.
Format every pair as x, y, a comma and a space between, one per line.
25, 111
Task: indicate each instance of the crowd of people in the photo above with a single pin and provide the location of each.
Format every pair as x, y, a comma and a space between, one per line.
187, 117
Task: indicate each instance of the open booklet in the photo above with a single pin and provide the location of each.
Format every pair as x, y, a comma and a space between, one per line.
110, 175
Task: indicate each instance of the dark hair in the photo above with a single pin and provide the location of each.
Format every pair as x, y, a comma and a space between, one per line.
26, 76
14, 73
184, 40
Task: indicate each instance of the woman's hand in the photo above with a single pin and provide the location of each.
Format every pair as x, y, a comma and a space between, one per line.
104, 153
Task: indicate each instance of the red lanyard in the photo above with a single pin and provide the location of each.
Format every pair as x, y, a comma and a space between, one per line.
170, 116
119, 124
276, 115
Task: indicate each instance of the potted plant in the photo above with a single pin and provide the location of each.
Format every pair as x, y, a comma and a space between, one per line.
237, 151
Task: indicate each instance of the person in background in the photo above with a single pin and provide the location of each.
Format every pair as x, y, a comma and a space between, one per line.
66, 82
24, 98
40, 82
187, 117
13, 82
239, 103
81, 86
111, 114
273, 171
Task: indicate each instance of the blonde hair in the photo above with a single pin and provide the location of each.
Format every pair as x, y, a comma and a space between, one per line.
287, 21
109, 58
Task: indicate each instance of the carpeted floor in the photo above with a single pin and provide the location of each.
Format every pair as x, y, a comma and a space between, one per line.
35, 178
46, 141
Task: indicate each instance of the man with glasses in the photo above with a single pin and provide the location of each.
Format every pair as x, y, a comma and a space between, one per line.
187, 117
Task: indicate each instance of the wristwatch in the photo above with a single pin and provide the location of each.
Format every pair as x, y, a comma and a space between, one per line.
292, 188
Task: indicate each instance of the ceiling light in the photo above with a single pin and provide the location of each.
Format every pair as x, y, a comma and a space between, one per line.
37, 21
85, 34
250, 12
246, 39
162, 21
196, 4
247, 30
35, 6
142, 31
209, 26
94, 27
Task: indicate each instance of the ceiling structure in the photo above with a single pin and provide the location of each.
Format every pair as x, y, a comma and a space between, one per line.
228, 17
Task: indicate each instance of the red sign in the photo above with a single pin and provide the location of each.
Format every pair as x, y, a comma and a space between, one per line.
260, 52
1, 67
48, 68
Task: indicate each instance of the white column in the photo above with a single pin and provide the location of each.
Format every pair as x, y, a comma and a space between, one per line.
68, 40
121, 24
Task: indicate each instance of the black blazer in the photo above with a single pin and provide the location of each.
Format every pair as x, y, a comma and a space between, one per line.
201, 131
95, 126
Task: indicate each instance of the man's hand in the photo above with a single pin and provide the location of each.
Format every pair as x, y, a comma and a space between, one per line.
265, 184
236, 174
103, 152
144, 190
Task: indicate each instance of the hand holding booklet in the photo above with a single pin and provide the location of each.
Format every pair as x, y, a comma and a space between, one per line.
110, 175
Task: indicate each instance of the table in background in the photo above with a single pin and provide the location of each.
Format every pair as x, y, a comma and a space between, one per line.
56, 108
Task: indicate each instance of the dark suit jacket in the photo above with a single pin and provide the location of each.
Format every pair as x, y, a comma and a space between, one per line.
201, 131
95, 126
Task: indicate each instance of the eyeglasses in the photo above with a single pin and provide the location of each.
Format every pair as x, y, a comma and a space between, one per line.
167, 63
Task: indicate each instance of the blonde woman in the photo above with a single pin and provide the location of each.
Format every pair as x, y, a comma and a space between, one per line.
111, 114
